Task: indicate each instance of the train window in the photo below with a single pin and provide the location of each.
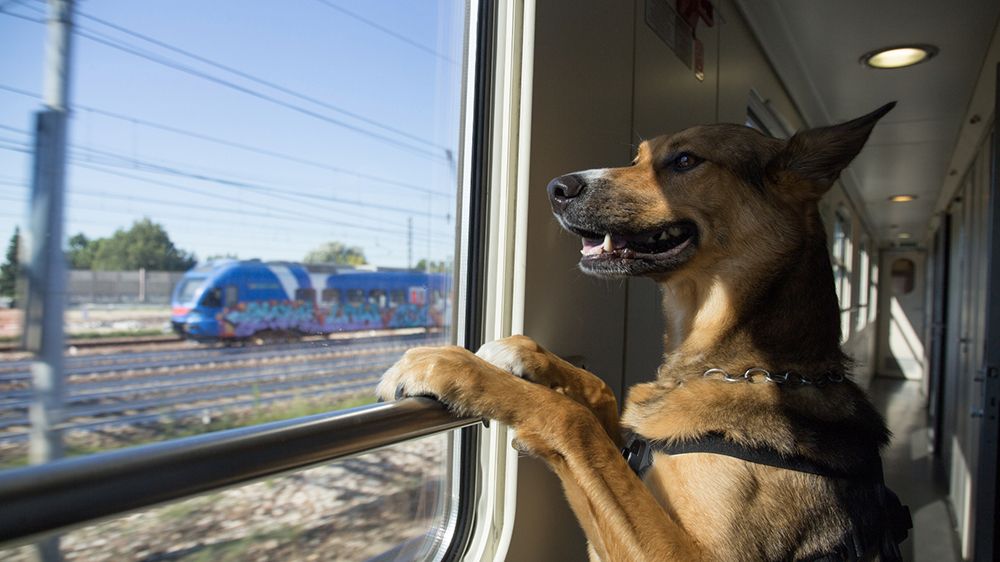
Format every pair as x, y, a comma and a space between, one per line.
378, 298
202, 160
305, 295
355, 297
188, 289
232, 296
873, 294
864, 286
375, 506
212, 298
842, 255
903, 274
331, 296
418, 296
397, 297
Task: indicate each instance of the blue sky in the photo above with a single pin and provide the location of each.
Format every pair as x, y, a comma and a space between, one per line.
400, 78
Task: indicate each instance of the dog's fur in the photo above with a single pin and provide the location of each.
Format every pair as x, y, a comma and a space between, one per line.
752, 287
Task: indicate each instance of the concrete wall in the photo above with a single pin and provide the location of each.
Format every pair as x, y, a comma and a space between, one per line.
121, 287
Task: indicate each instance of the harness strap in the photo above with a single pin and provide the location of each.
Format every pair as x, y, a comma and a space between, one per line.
639, 455
717, 444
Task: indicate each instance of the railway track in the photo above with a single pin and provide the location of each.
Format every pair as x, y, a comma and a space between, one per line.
135, 388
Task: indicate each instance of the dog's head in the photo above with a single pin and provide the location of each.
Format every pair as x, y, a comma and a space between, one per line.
704, 196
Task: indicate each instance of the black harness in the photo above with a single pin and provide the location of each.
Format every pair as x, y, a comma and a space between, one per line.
639, 455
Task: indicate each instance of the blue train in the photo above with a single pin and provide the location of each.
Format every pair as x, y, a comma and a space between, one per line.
234, 299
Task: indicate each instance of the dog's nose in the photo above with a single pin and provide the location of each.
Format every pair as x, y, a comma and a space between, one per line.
563, 189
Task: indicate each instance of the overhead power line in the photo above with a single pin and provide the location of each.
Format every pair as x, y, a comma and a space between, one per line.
175, 204
263, 189
386, 30
100, 38
316, 218
241, 146
262, 81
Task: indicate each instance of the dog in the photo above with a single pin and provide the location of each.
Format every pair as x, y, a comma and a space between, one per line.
757, 444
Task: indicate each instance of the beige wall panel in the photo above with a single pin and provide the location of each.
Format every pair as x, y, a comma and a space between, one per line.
742, 67
668, 98
901, 310
581, 118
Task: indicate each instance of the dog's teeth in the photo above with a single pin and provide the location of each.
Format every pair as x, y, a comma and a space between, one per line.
652, 238
608, 245
675, 231
663, 235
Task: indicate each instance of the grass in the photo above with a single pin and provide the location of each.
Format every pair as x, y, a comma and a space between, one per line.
99, 335
259, 414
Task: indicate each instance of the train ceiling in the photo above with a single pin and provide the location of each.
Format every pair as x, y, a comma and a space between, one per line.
815, 47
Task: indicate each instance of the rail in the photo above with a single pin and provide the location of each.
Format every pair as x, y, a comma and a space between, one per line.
42, 499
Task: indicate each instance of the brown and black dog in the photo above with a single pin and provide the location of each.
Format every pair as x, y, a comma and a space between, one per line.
725, 220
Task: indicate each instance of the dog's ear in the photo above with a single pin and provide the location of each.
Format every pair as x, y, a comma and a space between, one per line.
817, 156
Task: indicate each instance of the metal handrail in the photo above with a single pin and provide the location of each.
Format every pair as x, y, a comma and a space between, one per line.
41, 499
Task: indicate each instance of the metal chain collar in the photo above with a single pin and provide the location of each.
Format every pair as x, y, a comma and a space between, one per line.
788, 377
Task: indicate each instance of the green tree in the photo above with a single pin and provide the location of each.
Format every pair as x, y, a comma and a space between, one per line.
11, 269
144, 245
337, 253
80, 254
433, 266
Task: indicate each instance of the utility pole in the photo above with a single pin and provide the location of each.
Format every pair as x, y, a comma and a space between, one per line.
409, 243
46, 267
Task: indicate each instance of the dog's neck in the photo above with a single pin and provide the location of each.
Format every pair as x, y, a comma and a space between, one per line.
788, 319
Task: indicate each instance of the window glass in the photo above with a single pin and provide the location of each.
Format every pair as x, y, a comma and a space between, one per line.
397, 297
212, 298
379, 504
355, 297
864, 287
232, 296
252, 154
842, 256
189, 288
331, 295
873, 296
377, 297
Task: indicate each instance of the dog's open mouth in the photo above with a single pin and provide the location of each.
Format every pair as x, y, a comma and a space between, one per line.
651, 251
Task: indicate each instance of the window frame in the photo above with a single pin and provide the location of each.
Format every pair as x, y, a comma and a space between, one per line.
489, 295
842, 257
864, 284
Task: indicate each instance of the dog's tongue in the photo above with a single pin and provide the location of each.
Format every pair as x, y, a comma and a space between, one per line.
610, 243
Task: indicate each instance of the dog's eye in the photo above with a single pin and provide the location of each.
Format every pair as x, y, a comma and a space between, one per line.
684, 162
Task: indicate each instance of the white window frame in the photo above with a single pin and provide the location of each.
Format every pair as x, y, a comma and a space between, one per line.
864, 285
505, 255
842, 257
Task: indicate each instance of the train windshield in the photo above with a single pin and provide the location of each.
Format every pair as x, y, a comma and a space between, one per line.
189, 289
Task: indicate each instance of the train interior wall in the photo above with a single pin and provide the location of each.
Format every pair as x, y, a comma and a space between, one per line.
593, 101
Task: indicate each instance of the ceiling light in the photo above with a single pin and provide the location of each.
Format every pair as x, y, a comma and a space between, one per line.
898, 57
902, 198
904, 235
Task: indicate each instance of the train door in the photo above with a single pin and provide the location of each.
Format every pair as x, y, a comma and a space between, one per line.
968, 421
987, 527
902, 312
938, 334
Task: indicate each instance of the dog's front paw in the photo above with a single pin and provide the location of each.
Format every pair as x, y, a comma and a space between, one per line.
424, 371
465, 383
519, 355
